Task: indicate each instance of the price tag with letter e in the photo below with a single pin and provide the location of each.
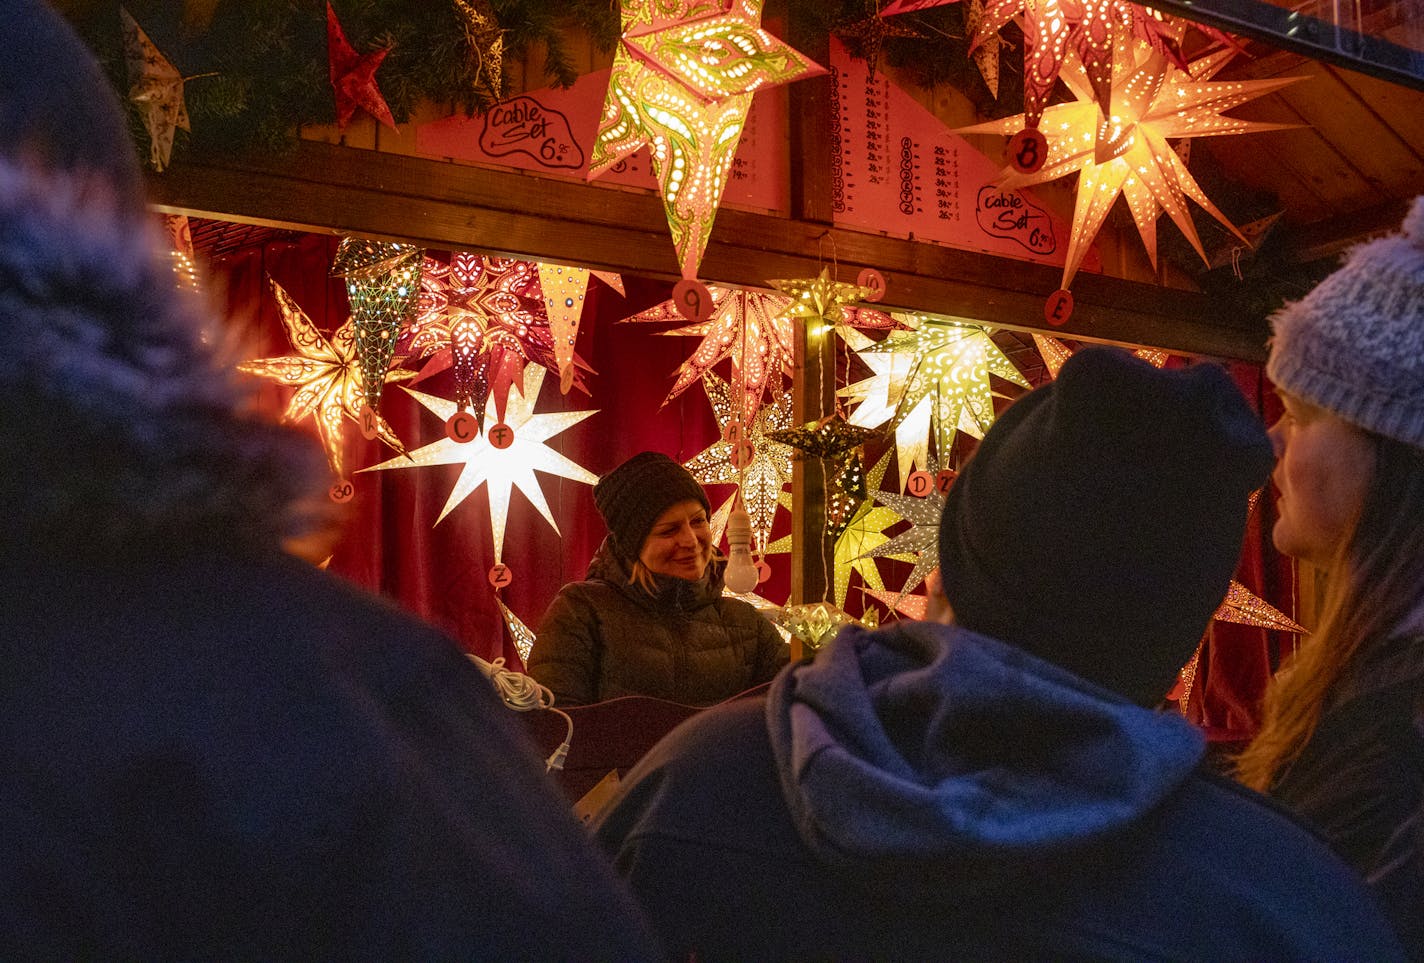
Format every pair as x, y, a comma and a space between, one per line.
461, 427
875, 281
692, 300
1028, 150
920, 483
501, 436
500, 575
369, 428
1059, 307
743, 454
341, 492
944, 479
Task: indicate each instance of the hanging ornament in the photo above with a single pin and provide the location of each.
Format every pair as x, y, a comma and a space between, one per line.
930, 381
1245, 608
505, 457
844, 494
564, 289
920, 541
830, 438
866, 37
382, 283
864, 533
522, 635
328, 377
904, 603
486, 43
1053, 351
985, 54
353, 77
681, 84
820, 300
814, 624
485, 318
765, 465
156, 88
1153, 102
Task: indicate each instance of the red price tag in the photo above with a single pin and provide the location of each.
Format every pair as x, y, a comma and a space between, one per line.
763, 571
692, 300
1059, 307
733, 433
462, 427
743, 453
1028, 150
341, 492
369, 426
501, 436
566, 379
945, 479
500, 576
875, 281
920, 483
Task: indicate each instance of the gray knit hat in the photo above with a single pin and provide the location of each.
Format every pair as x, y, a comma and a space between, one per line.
632, 496
1355, 344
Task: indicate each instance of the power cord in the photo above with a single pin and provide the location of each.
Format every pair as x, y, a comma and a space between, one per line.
522, 694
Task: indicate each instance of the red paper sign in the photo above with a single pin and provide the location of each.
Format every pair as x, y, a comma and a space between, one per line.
897, 169
551, 131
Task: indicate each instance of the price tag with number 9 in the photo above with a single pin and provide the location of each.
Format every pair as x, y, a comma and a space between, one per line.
692, 300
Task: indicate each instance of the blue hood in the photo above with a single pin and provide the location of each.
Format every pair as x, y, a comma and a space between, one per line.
921, 740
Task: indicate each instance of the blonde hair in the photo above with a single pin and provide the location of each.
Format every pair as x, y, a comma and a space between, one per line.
1376, 582
642, 576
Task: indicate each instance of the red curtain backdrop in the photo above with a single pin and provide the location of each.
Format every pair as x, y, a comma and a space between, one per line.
391, 544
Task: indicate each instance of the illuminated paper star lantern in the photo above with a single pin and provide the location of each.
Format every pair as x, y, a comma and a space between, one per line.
522, 635
767, 471
820, 299
831, 437
864, 533
486, 42
382, 283
504, 469
156, 87
1055, 352
564, 289
1128, 153
353, 77
681, 84
1245, 608
327, 375
485, 317
903, 603
930, 382
867, 36
920, 541
814, 624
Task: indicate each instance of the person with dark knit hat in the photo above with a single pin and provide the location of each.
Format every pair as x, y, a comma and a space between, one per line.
651, 619
213, 750
996, 784
1342, 738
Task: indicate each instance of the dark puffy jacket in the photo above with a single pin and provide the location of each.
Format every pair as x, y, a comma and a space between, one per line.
606, 637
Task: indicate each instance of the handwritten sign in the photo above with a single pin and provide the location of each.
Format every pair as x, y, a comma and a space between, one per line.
897, 169
523, 125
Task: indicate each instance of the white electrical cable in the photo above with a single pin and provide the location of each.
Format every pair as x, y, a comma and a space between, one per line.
522, 694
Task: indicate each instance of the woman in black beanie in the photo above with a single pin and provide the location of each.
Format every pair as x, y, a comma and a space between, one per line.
651, 618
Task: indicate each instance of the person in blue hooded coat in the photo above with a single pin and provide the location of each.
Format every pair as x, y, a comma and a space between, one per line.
995, 783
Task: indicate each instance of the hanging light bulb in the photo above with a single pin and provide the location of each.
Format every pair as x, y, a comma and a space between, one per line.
741, 574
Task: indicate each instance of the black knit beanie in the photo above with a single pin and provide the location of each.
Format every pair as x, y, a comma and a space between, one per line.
1100, 521
632, 496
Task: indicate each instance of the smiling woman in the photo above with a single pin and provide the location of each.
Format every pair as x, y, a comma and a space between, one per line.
651, 618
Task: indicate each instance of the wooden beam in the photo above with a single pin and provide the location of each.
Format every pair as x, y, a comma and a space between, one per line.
326, 187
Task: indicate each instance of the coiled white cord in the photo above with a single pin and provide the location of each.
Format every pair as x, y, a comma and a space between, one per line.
522, 694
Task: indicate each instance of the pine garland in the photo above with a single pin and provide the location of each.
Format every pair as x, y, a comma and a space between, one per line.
270, 63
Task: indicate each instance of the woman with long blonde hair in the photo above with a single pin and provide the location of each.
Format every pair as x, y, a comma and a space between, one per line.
1342, 740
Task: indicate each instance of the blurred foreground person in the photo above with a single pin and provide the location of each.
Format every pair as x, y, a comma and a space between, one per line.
1342, 741
212, 750
998, 787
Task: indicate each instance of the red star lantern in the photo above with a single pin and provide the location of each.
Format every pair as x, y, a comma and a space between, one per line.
353, 77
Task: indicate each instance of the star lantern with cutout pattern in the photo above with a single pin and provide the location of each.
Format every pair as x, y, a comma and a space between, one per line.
681, 85
353, 77
382, 283
156, 88
920, 540
503, 469
1128, 153
328, 377
486, 43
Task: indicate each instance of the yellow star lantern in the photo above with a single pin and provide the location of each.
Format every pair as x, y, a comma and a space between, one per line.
508, 461
820, 299
765, 468
1055, 352
327, 376
814, 624
863, 535
1127, 152
681, 84
930, 381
